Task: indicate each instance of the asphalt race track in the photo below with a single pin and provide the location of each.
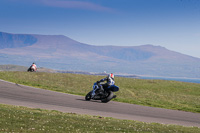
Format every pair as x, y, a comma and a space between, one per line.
14, 94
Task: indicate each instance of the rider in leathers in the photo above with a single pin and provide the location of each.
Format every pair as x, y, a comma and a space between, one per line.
110, 81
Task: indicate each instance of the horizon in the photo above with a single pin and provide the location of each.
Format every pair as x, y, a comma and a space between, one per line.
173, 24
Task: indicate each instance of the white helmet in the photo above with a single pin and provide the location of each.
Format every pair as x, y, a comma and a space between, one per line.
111, 75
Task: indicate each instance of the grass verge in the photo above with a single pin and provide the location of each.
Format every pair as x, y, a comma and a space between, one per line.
155, 93
22, 119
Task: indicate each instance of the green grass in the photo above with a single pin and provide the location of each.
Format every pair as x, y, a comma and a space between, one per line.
155, 93
21, 119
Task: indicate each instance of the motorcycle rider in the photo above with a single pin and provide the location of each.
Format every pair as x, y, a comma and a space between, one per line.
109, 82
33, 67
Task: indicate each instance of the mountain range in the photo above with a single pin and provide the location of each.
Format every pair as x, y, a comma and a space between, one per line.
62, 53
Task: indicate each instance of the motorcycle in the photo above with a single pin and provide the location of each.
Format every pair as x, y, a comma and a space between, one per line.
105, 96
31, 69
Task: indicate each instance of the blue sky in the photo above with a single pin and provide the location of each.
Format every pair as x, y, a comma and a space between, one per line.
174, 24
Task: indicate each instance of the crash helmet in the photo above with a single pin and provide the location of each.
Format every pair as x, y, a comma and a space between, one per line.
111, 75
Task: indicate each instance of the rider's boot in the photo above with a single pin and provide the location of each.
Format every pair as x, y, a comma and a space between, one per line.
114, 96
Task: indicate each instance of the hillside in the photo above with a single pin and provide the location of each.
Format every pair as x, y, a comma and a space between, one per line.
15, 41
23, 68
12, 68
62, 53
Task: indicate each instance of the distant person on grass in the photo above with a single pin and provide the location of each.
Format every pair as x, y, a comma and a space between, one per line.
32, 68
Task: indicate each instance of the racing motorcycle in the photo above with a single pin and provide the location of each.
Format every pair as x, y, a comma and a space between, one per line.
31, 69
105, 96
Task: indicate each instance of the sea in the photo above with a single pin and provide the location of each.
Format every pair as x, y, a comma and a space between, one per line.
191, 80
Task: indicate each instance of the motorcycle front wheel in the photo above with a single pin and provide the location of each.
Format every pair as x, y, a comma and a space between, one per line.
88, 96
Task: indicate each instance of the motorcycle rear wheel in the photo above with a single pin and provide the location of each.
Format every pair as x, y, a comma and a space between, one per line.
108, 98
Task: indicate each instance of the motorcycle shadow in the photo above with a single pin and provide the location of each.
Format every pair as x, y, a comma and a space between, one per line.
96, 101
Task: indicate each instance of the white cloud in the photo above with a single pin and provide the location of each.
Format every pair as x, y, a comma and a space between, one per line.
73, 4
77, 4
